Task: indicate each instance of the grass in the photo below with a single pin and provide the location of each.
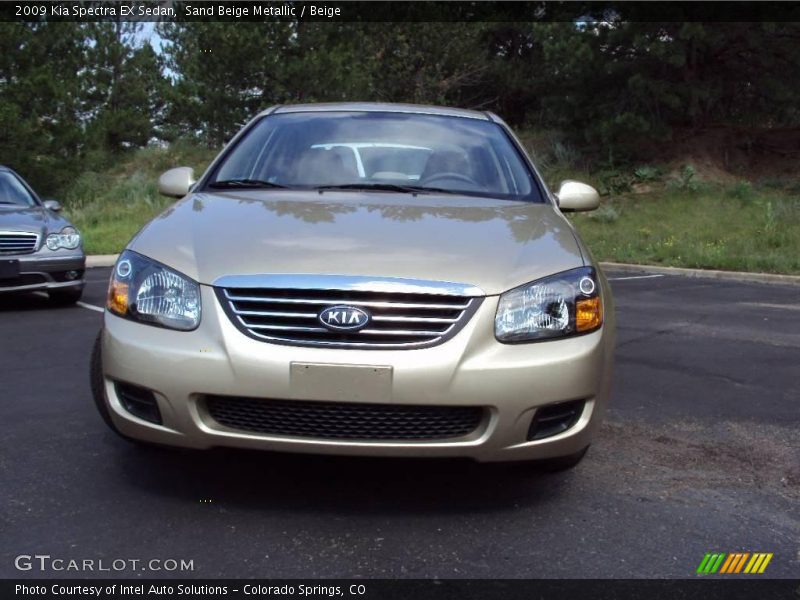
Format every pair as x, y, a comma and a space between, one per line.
110, 207
681, 220
714, 228
645, 216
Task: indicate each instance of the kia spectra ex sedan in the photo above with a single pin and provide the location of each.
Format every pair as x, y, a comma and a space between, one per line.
362, 279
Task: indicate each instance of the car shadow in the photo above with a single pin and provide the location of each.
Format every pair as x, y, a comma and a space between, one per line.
24, 302
345, 485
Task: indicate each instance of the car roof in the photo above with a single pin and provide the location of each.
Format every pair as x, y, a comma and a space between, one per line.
390, 107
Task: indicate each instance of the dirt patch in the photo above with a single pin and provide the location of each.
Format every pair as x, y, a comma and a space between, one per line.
667, 461
728, 154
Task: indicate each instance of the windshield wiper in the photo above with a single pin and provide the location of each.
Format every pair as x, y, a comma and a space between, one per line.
244, 183
388, 187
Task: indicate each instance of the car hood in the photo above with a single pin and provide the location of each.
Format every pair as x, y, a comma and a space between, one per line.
29, 218
492, 244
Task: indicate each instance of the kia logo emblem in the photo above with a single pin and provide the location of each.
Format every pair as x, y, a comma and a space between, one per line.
344, 318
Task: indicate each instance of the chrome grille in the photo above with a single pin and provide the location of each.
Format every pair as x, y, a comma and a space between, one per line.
399, 316
345, 420
18, 242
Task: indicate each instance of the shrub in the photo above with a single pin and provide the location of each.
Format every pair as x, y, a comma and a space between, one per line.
647, 173
613, 181
607, 213
741, 190
686, 181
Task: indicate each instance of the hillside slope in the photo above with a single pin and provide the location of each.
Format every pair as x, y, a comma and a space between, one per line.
109, 207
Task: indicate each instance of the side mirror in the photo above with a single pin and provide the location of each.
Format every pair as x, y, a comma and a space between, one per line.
53, 205
176, 183
575, 196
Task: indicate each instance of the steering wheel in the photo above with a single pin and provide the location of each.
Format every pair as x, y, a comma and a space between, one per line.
448, 175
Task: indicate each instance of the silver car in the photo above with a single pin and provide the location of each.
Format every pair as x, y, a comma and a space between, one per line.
362, 279
39, 249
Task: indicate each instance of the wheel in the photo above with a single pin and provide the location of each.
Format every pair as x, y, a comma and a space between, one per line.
560, 463
66, 296
99, 394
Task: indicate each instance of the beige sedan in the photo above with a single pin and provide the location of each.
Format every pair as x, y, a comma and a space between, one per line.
426, 297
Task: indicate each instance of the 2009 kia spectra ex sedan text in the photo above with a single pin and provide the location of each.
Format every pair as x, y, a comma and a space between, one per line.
366, 279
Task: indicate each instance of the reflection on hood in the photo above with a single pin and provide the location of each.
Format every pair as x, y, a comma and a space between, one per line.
493, 244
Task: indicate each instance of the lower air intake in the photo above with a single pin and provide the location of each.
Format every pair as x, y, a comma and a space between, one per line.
138, 401
554, 419
344, 420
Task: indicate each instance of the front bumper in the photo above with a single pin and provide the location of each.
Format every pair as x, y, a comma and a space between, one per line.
471, 369
58, 270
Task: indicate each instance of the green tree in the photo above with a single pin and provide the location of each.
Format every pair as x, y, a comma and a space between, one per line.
618, 83
41, 84
223, 75
125, 89
427, 63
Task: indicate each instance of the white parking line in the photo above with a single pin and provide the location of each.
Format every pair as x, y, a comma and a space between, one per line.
79, 303
90, 306
770, 305
634, 277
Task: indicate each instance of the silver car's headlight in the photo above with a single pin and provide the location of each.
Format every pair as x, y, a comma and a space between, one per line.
144, 290
564, 304
68, 238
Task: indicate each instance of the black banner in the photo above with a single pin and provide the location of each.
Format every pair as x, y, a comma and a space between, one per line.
448, 589
381, 11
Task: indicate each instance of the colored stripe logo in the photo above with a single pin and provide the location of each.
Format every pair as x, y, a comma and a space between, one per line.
734, 563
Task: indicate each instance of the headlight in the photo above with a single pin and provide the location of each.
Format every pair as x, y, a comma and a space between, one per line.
144, 290
564, 304
68, 238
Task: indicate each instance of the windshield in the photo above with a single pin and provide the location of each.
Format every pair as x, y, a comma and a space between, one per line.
13, 192
379, 151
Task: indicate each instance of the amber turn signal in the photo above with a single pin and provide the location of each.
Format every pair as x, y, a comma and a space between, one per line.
117, 297
588, 314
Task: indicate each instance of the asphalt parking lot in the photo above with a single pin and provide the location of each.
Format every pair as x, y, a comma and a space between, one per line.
700, 453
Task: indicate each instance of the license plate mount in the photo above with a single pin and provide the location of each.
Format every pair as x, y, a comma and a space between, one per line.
9, 269
365, 383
